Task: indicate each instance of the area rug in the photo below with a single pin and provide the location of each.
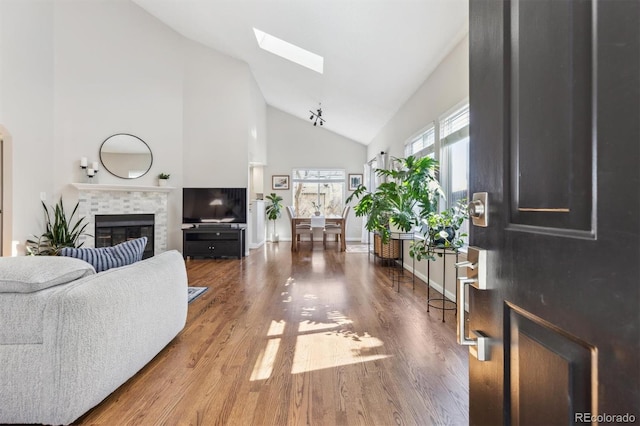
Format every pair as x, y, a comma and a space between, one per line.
357, 248
195, 292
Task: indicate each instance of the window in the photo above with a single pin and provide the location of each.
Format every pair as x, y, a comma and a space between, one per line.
454, 157
322, 187
423, 144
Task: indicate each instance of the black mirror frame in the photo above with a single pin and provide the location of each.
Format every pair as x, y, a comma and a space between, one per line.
133, 136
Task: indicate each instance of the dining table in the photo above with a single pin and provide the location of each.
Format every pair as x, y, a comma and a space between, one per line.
318, 222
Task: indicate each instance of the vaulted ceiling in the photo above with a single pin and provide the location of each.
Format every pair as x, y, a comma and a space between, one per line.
376, 52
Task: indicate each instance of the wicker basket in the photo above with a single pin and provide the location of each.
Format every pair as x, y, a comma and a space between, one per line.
391, 250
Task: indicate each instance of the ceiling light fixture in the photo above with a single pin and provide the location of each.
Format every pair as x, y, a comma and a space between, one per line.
316, 117
289, 51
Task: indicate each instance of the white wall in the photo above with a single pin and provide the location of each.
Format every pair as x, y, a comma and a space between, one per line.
216, 119
117, 70
122, 75
444, 88
26, 85
257, 125
296, 143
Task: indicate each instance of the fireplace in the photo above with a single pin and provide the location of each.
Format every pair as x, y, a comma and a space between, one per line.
112, 229
107, 200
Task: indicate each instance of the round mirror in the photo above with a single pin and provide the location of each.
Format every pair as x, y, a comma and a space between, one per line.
126, 156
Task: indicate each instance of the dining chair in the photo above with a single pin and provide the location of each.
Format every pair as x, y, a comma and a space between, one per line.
300, 228
336, 228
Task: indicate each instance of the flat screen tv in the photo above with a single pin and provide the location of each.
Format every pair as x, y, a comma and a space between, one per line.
214, 205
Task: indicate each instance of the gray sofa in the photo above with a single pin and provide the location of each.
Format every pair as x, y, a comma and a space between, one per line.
69, 336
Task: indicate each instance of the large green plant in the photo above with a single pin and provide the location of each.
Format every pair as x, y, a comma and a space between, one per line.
60, 231
274, 210
410, 193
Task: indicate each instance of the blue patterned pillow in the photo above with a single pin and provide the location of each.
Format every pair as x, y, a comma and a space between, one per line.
104, 258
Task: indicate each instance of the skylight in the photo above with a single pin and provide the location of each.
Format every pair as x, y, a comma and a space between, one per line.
289, 51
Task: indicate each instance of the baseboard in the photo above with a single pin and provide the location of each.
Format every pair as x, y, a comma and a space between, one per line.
253, 246
435, 285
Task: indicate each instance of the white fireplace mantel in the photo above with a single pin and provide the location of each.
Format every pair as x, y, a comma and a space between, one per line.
115, 187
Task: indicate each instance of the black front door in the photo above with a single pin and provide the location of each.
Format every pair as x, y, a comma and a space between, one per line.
555, 141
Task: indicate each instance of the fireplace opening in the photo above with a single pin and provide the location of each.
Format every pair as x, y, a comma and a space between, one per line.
112, 229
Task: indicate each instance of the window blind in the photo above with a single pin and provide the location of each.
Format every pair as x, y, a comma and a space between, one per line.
423, 144
456, 121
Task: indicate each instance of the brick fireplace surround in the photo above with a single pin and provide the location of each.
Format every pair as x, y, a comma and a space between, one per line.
99, 199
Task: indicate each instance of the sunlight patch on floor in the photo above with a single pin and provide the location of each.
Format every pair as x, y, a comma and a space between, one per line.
327, 341
318, 351
276, 328
266, 360
309, 326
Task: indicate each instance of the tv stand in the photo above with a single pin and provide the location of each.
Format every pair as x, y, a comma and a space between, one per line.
213, 241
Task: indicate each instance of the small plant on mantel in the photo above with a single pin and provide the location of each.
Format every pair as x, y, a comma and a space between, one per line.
60, 231
163, 178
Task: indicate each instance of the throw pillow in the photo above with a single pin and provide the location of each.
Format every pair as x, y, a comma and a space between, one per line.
26, 274
104, 258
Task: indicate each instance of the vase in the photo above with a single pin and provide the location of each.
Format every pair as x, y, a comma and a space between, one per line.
440, 240
162, 182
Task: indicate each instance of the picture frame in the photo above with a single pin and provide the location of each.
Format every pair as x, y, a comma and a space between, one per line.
279, 182
355, 180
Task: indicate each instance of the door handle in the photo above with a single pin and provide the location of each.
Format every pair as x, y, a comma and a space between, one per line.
466, 264
476, 277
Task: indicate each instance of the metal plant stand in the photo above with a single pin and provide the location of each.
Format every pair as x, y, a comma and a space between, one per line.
441, 302
397, 272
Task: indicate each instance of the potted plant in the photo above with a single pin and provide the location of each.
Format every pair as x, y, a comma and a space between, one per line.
60, 232
316, 208
442, 231
274, 211
409, 195
163, 178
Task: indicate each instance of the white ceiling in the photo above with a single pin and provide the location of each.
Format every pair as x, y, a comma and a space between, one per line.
376, 52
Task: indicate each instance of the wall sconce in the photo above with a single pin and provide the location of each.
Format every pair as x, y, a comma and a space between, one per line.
91, 172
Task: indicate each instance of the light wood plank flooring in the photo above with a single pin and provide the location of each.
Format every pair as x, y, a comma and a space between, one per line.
315, 337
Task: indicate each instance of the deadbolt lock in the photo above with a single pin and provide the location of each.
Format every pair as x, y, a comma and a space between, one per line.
479, 209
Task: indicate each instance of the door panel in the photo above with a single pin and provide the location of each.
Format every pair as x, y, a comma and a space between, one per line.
535, 346
551, 93
555, 141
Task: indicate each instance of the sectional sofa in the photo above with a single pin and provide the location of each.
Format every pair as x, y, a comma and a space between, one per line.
70, 336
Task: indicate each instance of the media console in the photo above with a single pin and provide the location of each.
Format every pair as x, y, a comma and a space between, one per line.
213, 242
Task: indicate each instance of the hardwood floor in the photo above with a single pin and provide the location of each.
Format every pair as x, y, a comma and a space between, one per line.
314, 337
